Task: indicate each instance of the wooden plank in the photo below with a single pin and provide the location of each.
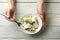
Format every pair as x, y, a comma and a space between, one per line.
14, 32
51, 8
32, 0
22, 8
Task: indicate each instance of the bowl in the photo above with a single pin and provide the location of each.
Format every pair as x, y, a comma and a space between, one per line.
39, 26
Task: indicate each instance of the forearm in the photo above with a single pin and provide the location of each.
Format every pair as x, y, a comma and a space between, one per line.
40, 1
40, 5
11, 3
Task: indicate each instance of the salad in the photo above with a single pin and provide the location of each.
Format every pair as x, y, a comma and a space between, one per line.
30, 23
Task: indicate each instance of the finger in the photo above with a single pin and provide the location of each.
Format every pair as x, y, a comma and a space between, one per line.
43, 19
43, 22
11, 19
7, 13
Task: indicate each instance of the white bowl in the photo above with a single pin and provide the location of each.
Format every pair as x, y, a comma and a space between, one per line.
37, 30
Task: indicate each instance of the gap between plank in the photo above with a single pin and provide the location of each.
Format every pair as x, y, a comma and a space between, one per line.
24, 38
31, 2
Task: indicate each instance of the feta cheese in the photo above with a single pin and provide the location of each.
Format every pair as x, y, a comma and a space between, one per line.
25, 18
33, 19
26, 25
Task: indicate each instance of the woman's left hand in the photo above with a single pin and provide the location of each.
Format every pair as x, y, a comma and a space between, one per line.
42, 16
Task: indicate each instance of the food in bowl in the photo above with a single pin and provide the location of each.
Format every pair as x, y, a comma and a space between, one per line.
30, 23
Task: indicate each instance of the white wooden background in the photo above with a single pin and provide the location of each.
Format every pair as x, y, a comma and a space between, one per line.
10, 30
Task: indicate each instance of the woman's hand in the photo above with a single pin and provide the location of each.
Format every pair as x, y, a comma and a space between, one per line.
42, 16
10, 14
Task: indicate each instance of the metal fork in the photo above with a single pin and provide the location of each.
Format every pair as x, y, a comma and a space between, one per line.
18, 23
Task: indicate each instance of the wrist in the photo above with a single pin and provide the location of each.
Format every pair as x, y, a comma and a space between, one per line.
11, 6
40, 1
40, 8
12, 3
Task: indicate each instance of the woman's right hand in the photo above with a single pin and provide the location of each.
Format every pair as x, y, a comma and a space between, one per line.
10, 14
